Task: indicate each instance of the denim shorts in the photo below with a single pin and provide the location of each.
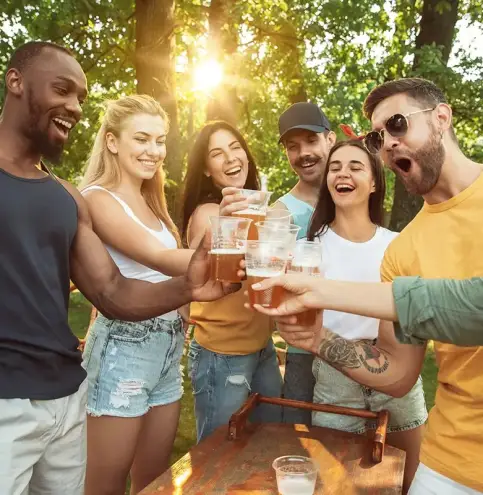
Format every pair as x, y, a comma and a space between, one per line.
333, 387
133, 366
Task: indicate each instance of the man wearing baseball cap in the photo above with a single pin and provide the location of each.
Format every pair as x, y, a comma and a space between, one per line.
307, 139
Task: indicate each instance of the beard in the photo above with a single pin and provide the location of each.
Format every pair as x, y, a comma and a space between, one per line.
40, 137
430, 158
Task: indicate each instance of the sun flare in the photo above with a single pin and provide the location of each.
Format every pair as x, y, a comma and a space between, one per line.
208, 75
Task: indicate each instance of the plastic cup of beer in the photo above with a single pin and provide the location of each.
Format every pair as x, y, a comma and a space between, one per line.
256, 211
296, 475
228, 245
265, 259
278, 215
306, 259
279, 232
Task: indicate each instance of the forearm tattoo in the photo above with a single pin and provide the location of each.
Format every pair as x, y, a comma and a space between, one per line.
342, 353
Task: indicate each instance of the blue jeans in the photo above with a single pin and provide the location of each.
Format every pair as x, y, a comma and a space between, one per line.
222, 382
298, 384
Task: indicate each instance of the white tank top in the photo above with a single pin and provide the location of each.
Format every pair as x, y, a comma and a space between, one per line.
127, 266
353, 262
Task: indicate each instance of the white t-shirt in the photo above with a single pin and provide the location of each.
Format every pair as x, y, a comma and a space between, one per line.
353, 262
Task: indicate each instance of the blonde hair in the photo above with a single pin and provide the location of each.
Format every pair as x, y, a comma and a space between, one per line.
103, 168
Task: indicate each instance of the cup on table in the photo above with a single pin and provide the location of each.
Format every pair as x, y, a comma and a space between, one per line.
265, 259
306, 259
228, 245
279, 232
257, 209
296, 475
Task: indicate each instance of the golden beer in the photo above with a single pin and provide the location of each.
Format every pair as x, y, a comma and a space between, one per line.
255, 216
225, 263
306, 318
269, 298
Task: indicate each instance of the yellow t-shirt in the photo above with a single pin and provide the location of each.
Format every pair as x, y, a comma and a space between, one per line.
227, 327
446, 241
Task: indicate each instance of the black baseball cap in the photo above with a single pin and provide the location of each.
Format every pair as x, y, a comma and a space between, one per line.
303, 115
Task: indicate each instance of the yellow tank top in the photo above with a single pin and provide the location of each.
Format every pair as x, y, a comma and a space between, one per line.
227, 327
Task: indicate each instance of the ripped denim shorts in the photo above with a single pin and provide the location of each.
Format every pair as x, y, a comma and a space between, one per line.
133, 366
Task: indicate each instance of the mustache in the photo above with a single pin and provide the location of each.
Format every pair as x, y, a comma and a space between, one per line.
306, 159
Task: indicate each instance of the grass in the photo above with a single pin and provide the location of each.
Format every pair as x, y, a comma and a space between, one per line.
186, 437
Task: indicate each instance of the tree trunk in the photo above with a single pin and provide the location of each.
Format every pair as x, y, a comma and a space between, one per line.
437, 27
155, 73
298, 92
222, 45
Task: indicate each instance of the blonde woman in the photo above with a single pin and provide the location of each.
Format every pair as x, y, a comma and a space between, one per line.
134, 376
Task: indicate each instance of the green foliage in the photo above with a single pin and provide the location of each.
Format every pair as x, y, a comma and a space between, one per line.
328, 51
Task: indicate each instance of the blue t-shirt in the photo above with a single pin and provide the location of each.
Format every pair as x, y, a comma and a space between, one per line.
301, 213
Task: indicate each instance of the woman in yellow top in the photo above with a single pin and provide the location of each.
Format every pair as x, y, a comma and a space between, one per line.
232, 353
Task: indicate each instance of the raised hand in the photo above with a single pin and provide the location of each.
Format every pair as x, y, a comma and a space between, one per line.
202, 288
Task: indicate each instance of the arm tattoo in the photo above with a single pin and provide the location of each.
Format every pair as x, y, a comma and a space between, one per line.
342, 353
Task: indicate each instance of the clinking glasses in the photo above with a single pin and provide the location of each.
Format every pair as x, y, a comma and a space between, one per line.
396, 126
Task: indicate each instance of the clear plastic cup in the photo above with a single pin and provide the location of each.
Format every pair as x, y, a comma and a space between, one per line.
265, 259
278, 215
228, 246
296, 475
306, 259
257, 209
279, 232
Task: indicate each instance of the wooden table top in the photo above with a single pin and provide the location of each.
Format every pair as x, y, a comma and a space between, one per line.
244, 466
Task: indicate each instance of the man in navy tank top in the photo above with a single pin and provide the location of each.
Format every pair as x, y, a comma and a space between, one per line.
46, 241
307, 139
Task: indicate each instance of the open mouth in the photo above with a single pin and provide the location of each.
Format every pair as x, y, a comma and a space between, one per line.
148, 163
344, 188
231, 172
403, 164
62, 126
309, 164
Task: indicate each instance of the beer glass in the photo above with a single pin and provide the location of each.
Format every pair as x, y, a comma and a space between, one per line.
278, 215
306, 259
279, 232
257, 209
296, 475
228, 245
265, 259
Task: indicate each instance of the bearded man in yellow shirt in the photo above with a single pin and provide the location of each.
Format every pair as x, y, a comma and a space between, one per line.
413, 132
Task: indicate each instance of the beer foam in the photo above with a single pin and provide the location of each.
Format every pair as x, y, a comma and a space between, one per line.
261, 272
306, 265
227, 251
250, 211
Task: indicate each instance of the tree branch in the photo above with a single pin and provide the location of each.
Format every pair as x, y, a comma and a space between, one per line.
102, 55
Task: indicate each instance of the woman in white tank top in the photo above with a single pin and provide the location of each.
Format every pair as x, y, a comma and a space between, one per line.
134, 376
348, 223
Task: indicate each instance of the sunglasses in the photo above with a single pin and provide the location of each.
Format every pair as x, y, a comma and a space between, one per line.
397, 126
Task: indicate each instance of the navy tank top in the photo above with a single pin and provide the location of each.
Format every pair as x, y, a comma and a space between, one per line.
38, 351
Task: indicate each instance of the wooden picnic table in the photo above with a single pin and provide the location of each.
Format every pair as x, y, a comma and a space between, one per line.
242, 464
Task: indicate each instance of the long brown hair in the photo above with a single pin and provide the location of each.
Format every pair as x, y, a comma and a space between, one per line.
324, 213
103, 168
199, 188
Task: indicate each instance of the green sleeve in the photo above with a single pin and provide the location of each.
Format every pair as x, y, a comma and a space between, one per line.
439, 309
